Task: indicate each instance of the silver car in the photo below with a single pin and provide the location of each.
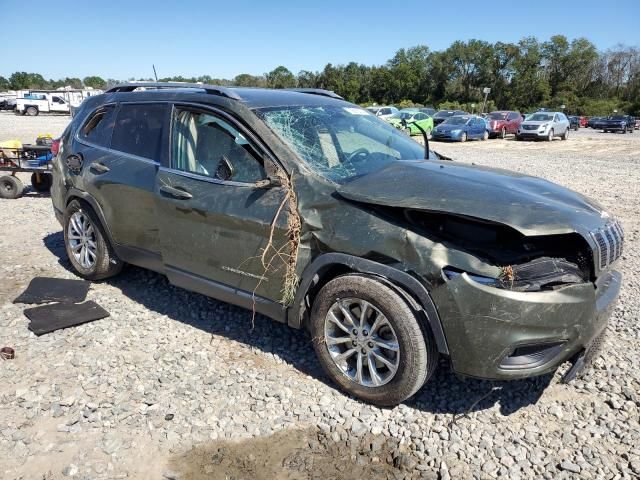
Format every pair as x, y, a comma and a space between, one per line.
383, 112
544, 125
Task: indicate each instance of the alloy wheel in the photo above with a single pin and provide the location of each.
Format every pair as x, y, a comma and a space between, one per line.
81, 238
361, 342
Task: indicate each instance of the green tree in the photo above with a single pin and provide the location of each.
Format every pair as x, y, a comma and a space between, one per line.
94, 82
529, 87
247, 80
24, 80
281, 77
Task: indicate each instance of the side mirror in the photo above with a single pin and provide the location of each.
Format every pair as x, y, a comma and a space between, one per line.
272, 181
225, 170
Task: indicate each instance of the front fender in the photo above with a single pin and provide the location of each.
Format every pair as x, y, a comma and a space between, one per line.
401, 279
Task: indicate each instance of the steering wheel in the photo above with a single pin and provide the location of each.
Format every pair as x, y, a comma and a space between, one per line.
358, 152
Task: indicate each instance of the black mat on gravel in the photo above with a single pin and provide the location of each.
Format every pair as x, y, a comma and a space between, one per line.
46, 290
48, 318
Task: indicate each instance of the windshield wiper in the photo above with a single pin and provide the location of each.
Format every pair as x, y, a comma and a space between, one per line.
424, 136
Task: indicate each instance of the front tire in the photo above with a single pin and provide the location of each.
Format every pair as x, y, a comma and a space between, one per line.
32, 111
87, 245
503, 133
370, 342
463, 137
550, 136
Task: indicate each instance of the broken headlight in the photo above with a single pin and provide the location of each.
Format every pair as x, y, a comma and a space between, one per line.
543, 273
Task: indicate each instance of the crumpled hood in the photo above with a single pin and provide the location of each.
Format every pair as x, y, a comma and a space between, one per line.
530, 205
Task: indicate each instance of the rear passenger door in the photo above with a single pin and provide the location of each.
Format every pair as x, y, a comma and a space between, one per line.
122, 148
214, 221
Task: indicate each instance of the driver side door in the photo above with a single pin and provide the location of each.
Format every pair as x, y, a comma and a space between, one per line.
214, 221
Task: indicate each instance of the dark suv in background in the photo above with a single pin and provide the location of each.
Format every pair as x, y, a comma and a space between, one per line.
312, 211
618, 123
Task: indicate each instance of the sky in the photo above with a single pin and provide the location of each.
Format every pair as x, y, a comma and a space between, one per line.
118, 39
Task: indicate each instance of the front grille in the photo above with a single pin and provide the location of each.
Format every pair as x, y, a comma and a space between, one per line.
609, 241
530, 127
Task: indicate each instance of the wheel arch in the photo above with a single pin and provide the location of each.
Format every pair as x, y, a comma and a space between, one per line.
328, 266
75, 194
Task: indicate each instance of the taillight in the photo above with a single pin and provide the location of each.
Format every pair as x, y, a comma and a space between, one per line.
55, 146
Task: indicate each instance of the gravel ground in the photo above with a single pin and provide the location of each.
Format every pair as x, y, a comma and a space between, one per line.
177, 385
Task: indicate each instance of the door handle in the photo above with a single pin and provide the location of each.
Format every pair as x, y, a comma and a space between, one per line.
99, 167
176, 192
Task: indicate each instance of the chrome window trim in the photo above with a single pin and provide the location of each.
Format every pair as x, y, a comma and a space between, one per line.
206, 178
117, 152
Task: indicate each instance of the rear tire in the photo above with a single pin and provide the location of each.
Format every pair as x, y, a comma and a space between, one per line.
103, 263
415, 356
565, 135
11, 187
42, 184
485, 136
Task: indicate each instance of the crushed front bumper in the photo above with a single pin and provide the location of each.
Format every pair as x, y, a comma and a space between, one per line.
490, 331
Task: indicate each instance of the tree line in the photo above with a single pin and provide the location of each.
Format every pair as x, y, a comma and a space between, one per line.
522, 76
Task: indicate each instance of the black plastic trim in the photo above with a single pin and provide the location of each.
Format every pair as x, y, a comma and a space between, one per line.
361, 265
226, 293
211, 89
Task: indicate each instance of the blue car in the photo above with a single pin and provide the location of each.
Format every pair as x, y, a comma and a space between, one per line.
461, 128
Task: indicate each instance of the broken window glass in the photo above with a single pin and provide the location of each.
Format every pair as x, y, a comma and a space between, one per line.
340, 142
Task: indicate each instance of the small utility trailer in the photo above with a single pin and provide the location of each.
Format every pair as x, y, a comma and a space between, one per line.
35, 159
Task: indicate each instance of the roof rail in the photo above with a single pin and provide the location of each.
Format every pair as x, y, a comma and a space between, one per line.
316, 91
211, 89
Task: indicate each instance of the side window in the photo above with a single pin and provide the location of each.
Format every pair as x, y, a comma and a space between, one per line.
99, 127
138, 130
57, 100
205, 144
420, 116
556, 118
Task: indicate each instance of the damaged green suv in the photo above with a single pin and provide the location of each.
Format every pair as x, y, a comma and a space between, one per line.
311, 211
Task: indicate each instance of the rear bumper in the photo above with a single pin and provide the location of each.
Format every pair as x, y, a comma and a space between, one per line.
487, 327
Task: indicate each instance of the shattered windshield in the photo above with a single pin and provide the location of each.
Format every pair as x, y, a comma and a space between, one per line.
340, 142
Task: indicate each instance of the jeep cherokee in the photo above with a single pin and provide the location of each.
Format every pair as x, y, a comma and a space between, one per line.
315, 213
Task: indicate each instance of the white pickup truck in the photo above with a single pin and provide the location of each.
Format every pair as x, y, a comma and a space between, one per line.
35, 103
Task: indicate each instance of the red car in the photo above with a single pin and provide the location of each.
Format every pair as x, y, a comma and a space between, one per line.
502, 123
584, 122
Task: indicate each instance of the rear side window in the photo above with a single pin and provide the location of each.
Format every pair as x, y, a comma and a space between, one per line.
99, 127
138, 130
